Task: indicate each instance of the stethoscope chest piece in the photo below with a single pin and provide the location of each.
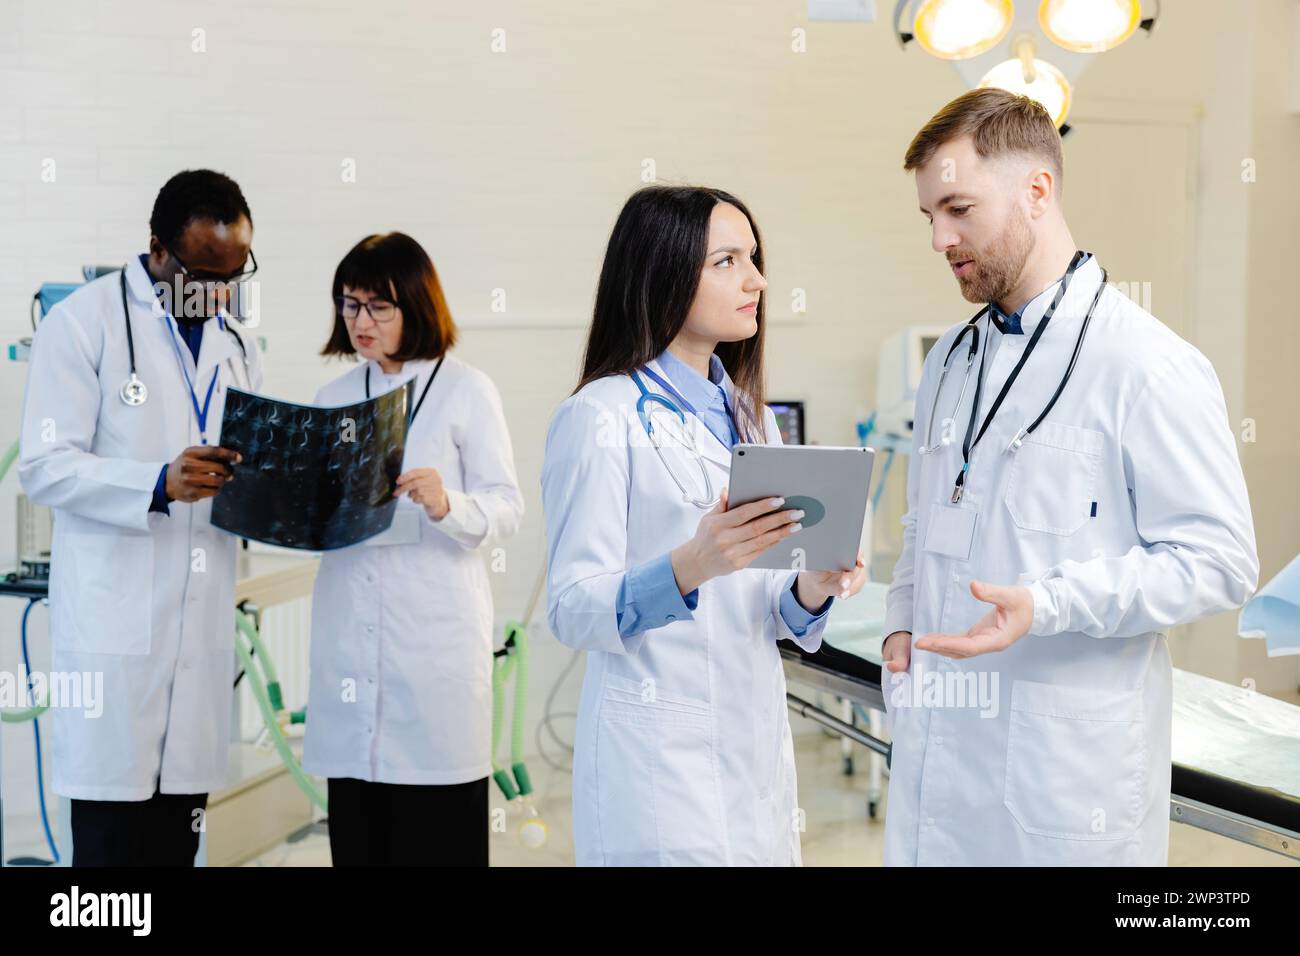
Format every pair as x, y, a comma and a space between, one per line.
134, 392
691, 496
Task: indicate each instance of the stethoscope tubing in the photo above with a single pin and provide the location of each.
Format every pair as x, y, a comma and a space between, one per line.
648, 397
133, 386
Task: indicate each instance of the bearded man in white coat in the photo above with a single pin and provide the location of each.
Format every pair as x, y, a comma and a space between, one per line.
1074, 492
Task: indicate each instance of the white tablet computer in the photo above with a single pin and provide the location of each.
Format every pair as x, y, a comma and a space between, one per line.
829, 484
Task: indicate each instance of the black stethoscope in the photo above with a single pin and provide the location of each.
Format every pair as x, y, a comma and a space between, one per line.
133, 391
432, 375
972, 327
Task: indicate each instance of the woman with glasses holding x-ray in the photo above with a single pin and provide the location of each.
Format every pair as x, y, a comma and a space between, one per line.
401, 657
683, 752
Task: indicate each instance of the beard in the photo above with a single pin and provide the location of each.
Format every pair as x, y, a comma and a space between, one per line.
996, 270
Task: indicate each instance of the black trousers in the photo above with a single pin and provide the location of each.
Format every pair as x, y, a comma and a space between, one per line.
398, 824
161, 831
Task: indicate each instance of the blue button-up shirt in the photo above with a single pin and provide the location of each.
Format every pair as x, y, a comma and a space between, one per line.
712, 397
649, 596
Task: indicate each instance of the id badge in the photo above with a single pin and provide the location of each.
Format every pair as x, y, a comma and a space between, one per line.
952, 531
405, 529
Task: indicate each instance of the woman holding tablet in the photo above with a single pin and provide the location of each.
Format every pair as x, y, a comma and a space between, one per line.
683, 752
401, 651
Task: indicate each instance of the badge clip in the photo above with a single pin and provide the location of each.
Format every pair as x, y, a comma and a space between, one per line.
960, 483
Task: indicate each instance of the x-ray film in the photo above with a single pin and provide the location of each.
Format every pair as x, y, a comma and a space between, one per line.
312, 478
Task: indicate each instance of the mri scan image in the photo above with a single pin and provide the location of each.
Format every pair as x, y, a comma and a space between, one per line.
312, 478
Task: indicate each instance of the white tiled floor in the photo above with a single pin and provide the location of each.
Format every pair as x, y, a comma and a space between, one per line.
839, 831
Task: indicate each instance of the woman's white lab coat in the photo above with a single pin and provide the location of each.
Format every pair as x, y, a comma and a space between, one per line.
683, 753
401, 649
144, 598
1126, 513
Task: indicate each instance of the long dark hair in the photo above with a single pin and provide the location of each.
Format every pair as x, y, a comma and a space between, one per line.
647, 283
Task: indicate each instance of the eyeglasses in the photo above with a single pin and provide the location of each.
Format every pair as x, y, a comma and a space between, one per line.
211, 279
381, 310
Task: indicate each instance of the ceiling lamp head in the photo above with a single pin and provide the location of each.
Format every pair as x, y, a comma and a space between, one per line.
1037, 79
1089, 26
960, 29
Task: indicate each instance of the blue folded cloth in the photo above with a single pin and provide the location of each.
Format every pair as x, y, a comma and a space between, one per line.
1274, 612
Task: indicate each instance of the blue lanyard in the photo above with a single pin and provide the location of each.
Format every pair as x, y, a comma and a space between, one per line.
200, 414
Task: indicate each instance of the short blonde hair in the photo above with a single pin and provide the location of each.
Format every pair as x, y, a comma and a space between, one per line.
998, 121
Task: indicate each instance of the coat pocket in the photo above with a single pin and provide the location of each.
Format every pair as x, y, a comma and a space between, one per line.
658, 796
1076, 761
1053, 482
102, 595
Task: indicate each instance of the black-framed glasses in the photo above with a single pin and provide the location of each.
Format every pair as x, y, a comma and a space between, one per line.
209, 278
381, 310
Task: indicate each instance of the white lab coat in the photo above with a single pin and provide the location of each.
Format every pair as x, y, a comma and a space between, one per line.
1071, 764
682, 753
145, 598
401, 649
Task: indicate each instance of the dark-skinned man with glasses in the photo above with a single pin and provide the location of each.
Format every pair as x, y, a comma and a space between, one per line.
120, 424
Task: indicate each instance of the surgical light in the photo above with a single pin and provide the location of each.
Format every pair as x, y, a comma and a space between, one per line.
960, 29
1089, 26
1037, 79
